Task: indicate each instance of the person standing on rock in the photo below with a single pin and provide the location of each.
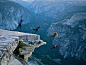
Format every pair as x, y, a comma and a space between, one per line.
20, 23
36, 28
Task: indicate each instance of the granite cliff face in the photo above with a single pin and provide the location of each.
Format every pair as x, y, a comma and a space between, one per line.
11, 13
24, 43
71, 36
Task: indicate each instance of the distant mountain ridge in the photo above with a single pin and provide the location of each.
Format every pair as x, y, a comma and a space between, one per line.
11, 13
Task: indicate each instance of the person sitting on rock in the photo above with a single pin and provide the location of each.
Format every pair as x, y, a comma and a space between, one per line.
36, 28
20, 23
54, 34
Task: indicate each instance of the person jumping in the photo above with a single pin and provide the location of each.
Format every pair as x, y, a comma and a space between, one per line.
54, 46
20, 23
54, 34
36, 28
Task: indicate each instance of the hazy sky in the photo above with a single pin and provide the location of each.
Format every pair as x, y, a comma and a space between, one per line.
46, 0
28, 0
54, 0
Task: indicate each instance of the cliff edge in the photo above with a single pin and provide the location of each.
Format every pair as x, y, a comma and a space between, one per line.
17, 42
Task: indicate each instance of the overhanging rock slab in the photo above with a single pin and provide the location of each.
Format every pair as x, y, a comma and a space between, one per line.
9, 40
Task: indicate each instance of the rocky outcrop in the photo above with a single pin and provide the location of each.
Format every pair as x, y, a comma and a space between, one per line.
24, 43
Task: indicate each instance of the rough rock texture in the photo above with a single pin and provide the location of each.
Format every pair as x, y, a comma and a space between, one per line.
71, 36
14, 61
9, 40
